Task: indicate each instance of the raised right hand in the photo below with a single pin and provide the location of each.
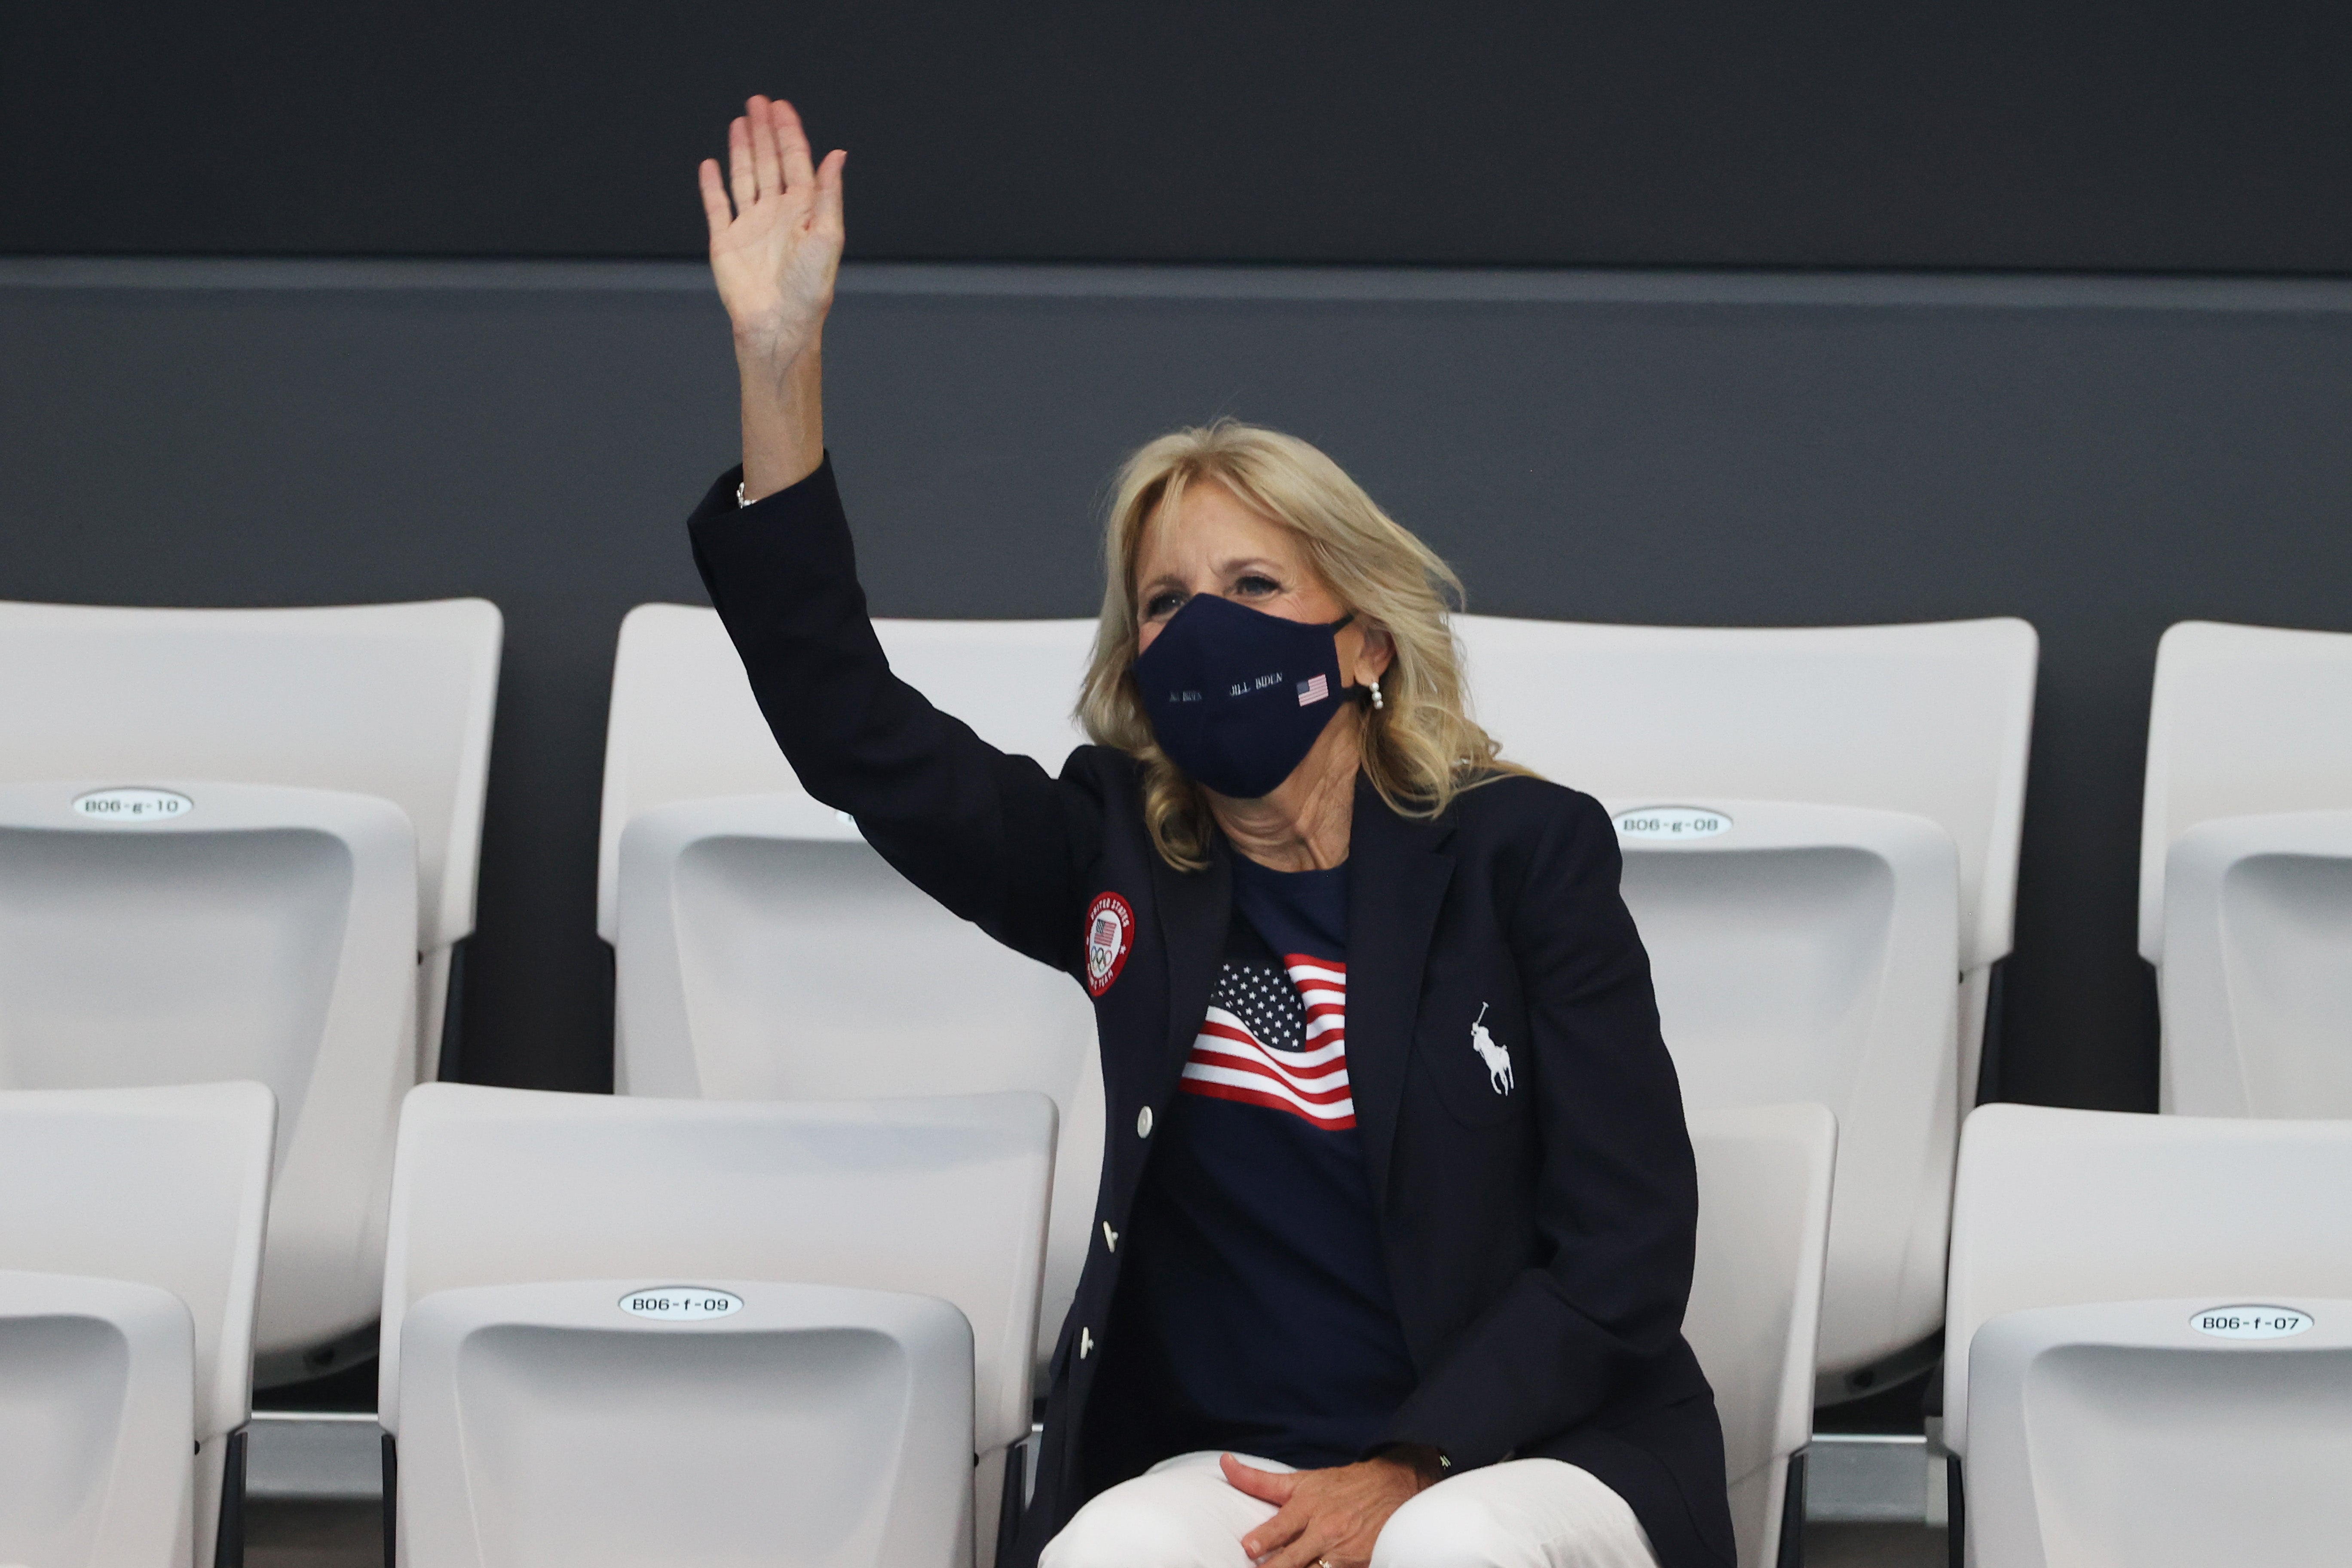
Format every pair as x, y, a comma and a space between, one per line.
776, 251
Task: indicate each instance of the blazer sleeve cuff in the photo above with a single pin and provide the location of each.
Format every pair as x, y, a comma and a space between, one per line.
787, 558
815, 498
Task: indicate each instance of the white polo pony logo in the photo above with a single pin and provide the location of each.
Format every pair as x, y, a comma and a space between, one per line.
1496, 1057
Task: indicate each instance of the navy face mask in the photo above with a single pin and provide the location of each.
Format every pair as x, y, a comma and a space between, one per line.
1237, 697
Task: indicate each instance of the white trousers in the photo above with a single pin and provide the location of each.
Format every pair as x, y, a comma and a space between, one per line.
1523, 1513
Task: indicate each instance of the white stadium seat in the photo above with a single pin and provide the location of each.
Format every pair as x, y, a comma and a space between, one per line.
2151, 1328
2245, 903
1764, 1179
259, 933
536, 1432
233, 778
1820, 834
1807, 950
763, 951
622, 1330
130, 1233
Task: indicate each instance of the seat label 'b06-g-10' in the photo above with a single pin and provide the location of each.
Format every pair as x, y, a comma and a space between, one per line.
132, 805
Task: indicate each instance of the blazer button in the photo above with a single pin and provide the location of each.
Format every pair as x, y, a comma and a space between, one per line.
1110, 1236
1143, 1122
1086, 1343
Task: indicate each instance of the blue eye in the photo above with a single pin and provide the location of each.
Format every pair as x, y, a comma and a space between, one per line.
1255, 586
1162, 605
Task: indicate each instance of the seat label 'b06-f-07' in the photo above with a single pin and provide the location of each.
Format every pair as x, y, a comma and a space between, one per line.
2251, 1322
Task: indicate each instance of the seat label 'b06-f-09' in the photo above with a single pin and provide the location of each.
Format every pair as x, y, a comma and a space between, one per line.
681, 1303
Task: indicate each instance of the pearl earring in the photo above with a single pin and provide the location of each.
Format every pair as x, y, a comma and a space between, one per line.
1378, 700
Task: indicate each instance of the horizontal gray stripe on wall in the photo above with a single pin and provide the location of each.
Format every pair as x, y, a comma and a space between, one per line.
2102, 456
1417, 284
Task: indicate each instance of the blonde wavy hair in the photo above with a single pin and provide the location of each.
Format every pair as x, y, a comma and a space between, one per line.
1421, 748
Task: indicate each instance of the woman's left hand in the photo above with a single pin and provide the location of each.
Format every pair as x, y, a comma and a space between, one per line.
1332, 1516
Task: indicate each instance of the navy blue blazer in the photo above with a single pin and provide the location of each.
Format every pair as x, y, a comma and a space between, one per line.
1538, 1241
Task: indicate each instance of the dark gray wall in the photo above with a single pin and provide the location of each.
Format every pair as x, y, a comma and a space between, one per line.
2137, 135
2102, 458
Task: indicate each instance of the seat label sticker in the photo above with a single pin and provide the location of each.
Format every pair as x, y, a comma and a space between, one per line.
132, 805
2251, 1322
681, 1303
1670, 822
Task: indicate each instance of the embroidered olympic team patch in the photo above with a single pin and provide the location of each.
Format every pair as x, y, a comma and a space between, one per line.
1110, 932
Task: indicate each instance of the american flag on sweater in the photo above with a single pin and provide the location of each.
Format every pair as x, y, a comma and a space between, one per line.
1277, 1038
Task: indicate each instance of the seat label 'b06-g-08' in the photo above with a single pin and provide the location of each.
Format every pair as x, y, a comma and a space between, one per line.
1671, 822
2251, 1322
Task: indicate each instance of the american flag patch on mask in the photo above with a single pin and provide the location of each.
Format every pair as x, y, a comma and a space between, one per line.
1313, 690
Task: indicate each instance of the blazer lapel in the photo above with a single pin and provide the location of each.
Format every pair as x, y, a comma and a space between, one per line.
1195, 908
1396, 884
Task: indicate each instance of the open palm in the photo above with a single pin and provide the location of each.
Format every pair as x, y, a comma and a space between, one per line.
776, 247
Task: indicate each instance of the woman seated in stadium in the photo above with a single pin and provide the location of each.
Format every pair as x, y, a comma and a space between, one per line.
1396, 1220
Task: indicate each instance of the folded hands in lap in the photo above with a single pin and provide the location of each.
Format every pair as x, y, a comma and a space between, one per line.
1332, 1516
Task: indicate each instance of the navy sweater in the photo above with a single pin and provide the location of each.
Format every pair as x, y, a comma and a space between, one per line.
1261, 1295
